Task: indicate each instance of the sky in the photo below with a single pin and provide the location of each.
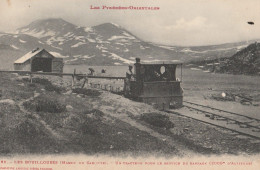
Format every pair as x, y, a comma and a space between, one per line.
177, 22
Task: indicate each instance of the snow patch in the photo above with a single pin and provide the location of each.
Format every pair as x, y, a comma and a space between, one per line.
91, 40
119, 43
22, 41
167, 47
78, 44
50, 40
56, 47
101, 47
104, 51
86, 56
69, 34
143, 48
121, 38
128, 35
40, 34
188, 50
116, 57
160, 61
195, 69
75, 59
116, 37
14, 47
88, 29
115, 24
79, 37
58, 55
25, 30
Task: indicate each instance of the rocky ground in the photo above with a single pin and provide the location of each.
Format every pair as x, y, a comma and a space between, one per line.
49, 117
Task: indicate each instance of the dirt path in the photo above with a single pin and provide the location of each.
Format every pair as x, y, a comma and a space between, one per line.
55, 134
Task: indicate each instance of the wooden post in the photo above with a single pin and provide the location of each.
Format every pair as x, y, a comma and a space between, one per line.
73, 77
85, 79
181, 72
31, 78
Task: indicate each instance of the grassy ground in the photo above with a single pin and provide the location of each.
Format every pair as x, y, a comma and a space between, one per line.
65, 123
35, 119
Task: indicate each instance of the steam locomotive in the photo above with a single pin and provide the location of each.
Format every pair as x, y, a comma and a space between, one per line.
155, 83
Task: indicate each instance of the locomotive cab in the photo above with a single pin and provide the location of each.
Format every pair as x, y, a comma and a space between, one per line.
156, 84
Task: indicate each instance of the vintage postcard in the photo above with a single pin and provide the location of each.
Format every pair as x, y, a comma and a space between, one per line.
129, 84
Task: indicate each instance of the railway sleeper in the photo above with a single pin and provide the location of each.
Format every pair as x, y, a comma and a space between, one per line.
255, 130
221, 119
231, 122
243, 126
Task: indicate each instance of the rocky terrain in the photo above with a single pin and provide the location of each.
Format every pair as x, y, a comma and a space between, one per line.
246, 61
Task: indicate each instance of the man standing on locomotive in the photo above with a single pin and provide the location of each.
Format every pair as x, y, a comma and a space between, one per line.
129, 77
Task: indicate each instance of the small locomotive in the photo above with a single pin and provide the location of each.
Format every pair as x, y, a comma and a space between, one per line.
155, 84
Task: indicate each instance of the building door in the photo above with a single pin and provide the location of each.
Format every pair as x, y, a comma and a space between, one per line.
41, 64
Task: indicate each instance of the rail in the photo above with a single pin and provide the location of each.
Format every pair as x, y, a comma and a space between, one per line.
61, 74
230, 121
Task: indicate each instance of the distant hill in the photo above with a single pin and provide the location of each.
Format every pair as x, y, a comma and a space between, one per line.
104, 44
246, 61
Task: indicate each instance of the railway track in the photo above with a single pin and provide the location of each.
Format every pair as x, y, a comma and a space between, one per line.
235, 122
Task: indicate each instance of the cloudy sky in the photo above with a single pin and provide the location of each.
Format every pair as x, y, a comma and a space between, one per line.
178, 22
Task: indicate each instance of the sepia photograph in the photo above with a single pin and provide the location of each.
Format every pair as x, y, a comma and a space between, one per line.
129, 84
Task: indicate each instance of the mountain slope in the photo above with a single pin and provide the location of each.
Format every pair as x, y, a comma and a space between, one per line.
105, 44
246, 61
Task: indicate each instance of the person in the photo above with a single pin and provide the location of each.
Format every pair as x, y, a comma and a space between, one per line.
92, 71
154, 76
129, 73
103, 71
129, 77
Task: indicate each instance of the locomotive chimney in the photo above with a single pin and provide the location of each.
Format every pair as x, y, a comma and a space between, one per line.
138, 69
137, 60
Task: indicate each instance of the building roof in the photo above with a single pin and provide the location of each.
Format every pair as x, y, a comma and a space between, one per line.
28, 56
161, 62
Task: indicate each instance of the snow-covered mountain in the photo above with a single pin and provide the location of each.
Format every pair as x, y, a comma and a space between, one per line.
105, 44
